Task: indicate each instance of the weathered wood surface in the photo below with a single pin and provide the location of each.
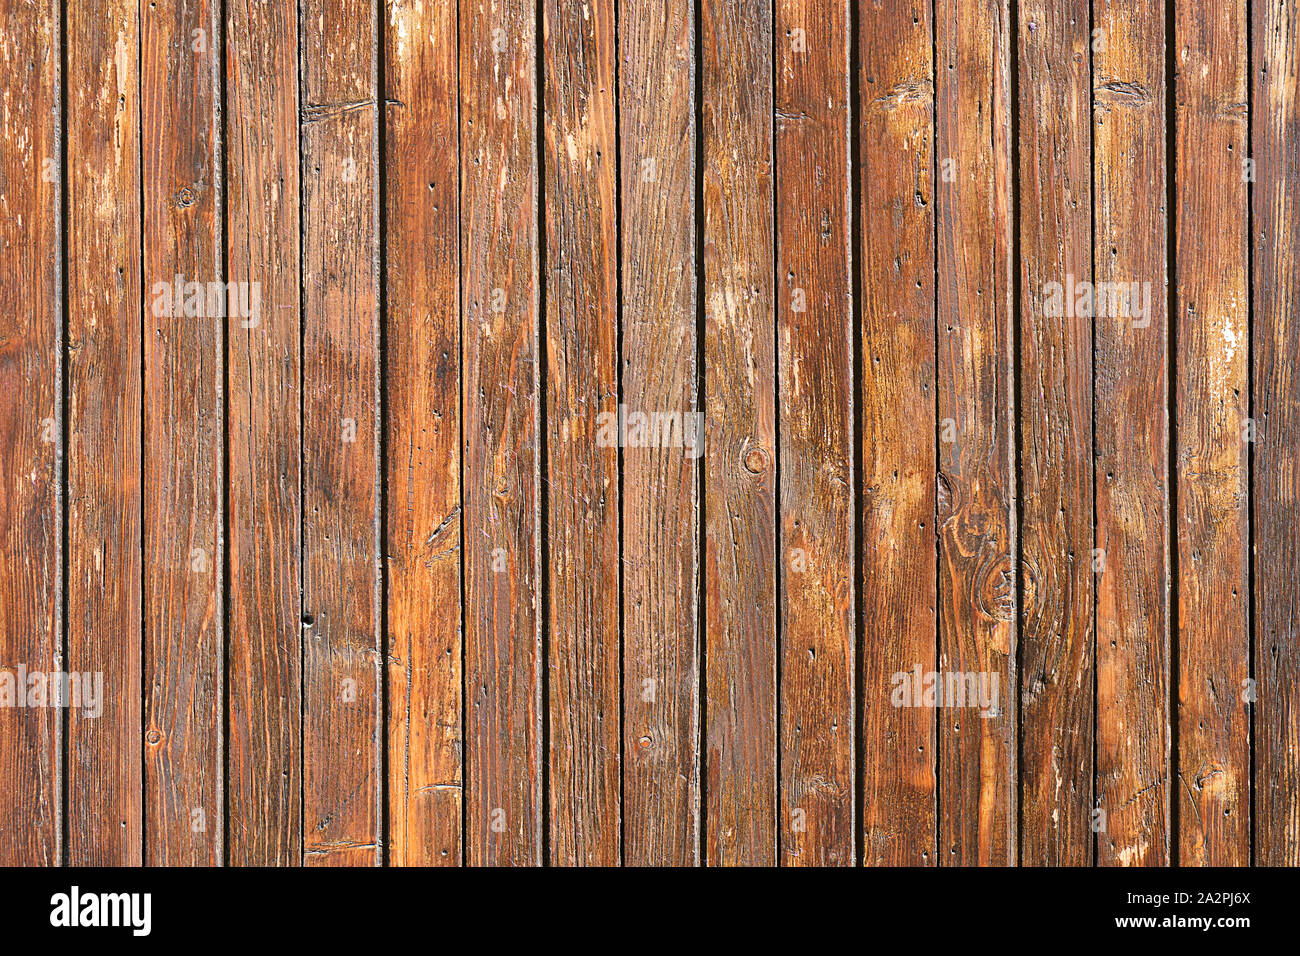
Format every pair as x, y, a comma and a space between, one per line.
740, 465
1210, 312
896, 130
815, 336
1056, 447
1130, 414
31, 430
264, 438
341, 685
975, 404
651, 416
423, 436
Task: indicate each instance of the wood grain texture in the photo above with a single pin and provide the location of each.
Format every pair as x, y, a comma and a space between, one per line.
581, 169
661, 628
180, 48
31, 430
815, 338
1131, 390
105, 763
1056, 527
1212, 405
423, 556
740, 466
264, 441
508, 483
897, 394
340, 429
1275, 336
976, 407
499, 284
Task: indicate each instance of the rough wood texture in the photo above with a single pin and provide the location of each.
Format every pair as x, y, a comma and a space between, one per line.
1131, 386
1276, 340
899, 575
264, 629
661, 629
1056, 533
815, 345
183, 435
581, 168
499, 284
423, 440
976, 407
740, 466
104, 819
1213, 402
504, 506
31, 428
341, 663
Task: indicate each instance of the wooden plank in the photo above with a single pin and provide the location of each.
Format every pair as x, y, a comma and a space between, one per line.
264, 677
1131, 389
899, 572
975, 405
661, 639
340, 427
1211, 342
423, 477
1056, 544
103, 438
740, 464
581, 163
1275, 44
500, 248
183, 434
31, 433
815, 336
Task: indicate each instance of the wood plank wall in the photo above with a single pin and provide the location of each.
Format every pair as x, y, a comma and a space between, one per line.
634, 432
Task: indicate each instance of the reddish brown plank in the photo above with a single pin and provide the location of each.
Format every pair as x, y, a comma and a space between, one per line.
899, 575
815, 347
1275, 122
340, 427
31, 433
500, 290
183, 435
103, 440
1211, 340
581, 162
1056, 701
1131, 390
264, 781
975, 405
661, 718
740, 440
423, 477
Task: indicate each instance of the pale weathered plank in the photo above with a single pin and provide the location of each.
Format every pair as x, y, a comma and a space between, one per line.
581, 161
103, 439
740, 459
661, 637
31, 432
